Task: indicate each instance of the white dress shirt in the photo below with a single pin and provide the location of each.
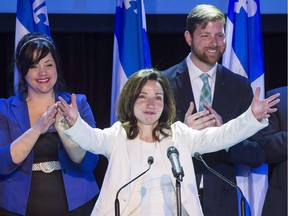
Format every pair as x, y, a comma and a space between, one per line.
196, 81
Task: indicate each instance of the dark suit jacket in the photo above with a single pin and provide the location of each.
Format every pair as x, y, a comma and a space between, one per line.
276, 151
232, 96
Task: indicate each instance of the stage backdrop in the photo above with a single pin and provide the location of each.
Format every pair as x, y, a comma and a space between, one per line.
85, 36
151, 6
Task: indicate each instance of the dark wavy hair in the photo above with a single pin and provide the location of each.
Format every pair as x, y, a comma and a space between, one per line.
24, 58
130, 93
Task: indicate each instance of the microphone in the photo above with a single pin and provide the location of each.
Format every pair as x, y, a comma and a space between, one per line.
117, 205
177, 169
199, 157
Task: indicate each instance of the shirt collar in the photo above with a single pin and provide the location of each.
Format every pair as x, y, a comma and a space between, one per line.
195, 72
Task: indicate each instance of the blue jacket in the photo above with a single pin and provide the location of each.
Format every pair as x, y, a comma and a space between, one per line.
15, 179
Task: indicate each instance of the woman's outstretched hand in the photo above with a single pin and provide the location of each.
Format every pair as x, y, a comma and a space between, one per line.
263, 108
69, 112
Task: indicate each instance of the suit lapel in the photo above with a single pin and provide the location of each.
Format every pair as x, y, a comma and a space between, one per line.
20, 111
219, 89
183, 90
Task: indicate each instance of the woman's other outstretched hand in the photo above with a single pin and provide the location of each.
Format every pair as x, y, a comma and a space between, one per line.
69, 112
263, 108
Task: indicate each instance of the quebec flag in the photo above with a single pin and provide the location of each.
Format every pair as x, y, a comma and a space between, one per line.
131, 46
31, 16
244, 56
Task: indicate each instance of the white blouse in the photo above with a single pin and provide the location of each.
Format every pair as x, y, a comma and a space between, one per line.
153, 192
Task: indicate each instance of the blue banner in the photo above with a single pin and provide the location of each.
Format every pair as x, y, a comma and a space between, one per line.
244, 56
31, 16
131, 46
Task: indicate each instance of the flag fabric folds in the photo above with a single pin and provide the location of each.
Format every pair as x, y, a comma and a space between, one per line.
31, 16
244, 56
131, 46
244, 53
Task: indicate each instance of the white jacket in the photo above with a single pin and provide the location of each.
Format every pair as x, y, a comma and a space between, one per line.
112, 143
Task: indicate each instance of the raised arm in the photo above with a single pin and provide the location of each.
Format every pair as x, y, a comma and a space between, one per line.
64, 119
69, 112
263, 108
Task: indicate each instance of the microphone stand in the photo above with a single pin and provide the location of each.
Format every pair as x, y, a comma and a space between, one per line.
178, 197
117, 207
116, 202
198, 156
242, 203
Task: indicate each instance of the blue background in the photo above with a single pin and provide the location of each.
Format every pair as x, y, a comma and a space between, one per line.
151, 6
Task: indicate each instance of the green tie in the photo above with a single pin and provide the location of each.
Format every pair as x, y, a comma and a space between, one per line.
205, 97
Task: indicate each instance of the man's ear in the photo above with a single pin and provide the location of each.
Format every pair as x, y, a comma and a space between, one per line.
188, 38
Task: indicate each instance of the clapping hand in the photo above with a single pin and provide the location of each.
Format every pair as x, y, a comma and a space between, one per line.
46, 120
203, 119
